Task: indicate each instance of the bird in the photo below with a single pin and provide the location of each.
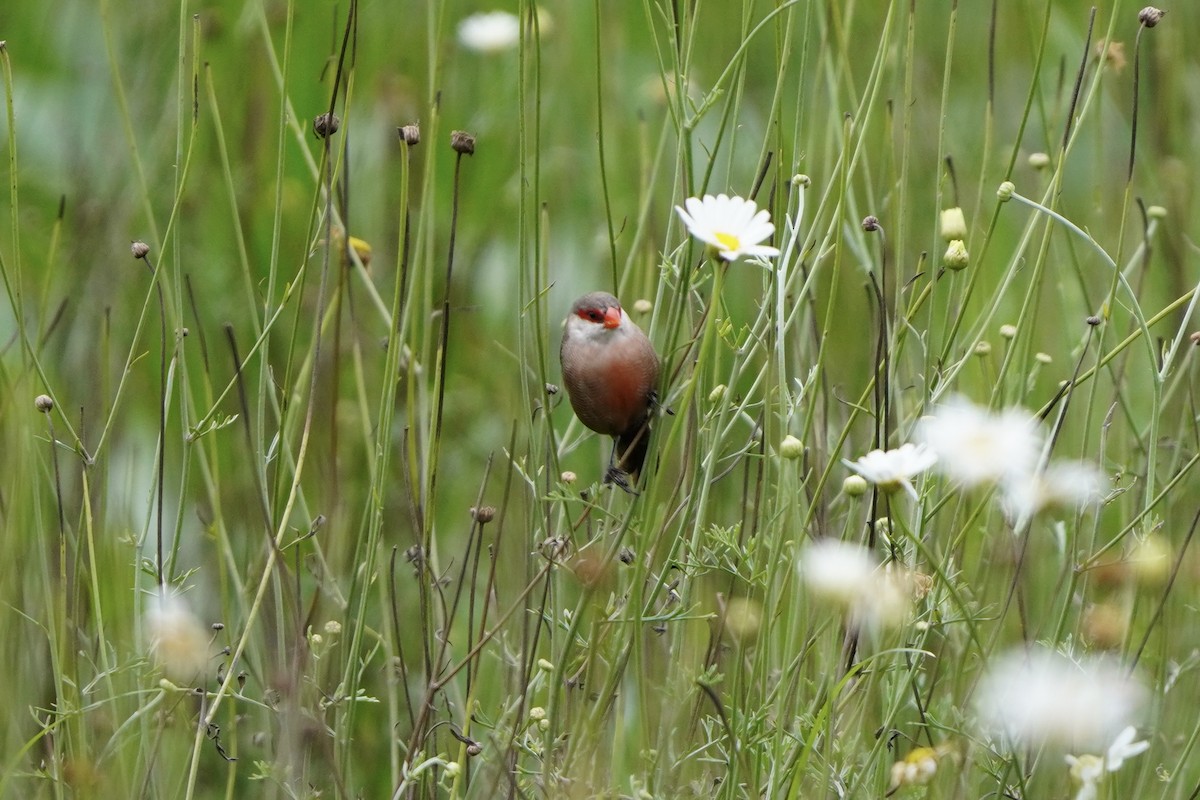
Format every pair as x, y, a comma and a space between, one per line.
610, 371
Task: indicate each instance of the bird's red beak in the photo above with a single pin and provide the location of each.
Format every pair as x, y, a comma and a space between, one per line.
612, 317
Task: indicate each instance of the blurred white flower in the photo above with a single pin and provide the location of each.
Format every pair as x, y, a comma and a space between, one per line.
847, 575
1087, 771
1037, 697
894, 469
1061, 483
975, 446
178, 642
918, 767
490, 32
731, 226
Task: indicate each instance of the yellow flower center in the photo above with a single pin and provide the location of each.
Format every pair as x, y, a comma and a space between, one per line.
728, 241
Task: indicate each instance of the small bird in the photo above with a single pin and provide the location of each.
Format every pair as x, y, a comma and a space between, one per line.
610, 370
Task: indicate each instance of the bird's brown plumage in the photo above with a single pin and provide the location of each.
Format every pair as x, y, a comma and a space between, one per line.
610, 371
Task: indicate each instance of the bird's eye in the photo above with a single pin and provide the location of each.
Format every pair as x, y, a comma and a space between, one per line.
594, 315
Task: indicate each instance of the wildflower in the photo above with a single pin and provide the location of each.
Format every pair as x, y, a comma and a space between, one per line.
847, 575
918, 767
1087, 771
178, 641
731, 226
490, 32
1038, 697
1150, 560
894, 469
1104, 625
954, 224
1061, 483
741, 620
1039, 161
854, 485
956, 256
976, 446
791, 447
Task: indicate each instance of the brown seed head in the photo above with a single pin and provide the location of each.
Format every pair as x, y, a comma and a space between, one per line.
1150, 16
484, 514
870, 224
462, 143
326, 125
410, 134
43, 403
139, 249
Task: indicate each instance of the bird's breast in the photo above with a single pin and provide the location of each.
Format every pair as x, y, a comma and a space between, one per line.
610, 383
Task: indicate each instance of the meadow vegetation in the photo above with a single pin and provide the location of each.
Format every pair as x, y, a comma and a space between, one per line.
293, 506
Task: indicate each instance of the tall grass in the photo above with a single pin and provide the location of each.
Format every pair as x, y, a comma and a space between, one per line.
320, 439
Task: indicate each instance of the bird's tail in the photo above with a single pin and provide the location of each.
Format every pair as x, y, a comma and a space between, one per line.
632, 447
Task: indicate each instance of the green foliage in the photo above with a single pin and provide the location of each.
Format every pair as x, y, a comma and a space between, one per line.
389, 566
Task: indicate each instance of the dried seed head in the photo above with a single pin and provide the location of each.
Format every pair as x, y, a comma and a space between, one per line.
462, 143
43, 403
410, 134
325, 125
1093, 320
484, 514
474, 749
139, 249
870, 224
1150, 16
568, 477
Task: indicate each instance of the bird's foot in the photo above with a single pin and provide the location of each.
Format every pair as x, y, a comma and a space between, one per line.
620, 478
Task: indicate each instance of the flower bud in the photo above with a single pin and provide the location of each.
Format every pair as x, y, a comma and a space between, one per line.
954, 224
854, 485
1005, 191
43, 403
791, 447
956, 256
139, 249
1039, 161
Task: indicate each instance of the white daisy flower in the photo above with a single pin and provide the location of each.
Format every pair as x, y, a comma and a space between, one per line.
490, 32
975, 446
1087, 771
848, 575
1038, 697
894, 469
1061, 483
732, 226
